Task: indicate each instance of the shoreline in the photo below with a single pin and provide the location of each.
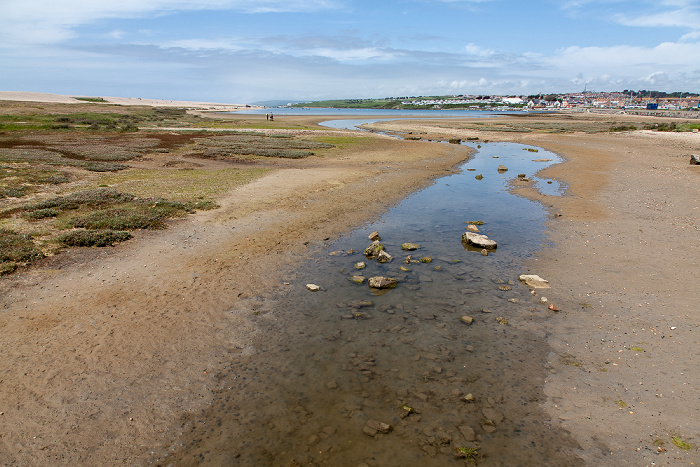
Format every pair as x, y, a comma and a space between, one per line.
107, 376
624, 245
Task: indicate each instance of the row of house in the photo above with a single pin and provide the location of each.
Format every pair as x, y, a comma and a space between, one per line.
603, 100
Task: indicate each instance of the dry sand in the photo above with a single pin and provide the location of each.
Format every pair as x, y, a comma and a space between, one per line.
103, 351
23, 96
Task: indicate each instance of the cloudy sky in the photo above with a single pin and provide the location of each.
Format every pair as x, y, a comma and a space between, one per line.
245, 51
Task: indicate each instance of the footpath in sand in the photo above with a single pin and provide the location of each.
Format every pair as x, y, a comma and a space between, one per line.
623, 268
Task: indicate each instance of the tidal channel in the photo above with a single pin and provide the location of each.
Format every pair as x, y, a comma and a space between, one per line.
351, 376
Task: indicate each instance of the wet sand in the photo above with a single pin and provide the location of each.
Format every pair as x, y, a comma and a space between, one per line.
104, 354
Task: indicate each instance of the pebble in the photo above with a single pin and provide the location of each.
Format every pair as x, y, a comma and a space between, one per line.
313, 287
467, 319
374, 427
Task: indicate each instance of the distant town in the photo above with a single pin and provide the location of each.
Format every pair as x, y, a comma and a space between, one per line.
648, 100
608, 100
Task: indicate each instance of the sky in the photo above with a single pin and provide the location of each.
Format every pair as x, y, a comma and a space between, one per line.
248, 51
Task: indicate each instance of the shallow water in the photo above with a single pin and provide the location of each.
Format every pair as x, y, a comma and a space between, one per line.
326, 363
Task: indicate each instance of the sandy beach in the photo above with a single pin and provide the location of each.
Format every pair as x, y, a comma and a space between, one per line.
106, 351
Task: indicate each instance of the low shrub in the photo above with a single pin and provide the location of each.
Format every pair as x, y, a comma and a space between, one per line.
41, 213
15, 248
99, 238
96, 197
623, 128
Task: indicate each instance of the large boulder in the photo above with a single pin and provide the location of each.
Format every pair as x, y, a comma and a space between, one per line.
478, 240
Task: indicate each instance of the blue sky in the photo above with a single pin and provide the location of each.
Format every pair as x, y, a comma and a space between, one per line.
240, 51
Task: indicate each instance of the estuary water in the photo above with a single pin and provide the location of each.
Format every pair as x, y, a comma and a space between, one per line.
351, 376
375, 112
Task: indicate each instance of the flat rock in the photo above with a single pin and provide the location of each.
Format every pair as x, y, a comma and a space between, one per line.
473, 228
409, 246
374, 427
313, 287
492, 414
479, 240
374, 236
467, 432
380, 282
534, 281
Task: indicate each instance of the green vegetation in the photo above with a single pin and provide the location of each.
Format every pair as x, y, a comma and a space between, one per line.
19, 181
90, 99
618, 128
100, 238
466, 453
98, 217
185, 184
73, 159
339, 141
15, 249
355, 104
253, 144
678, 441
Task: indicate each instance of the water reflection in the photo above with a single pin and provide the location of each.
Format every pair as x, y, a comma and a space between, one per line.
346, 377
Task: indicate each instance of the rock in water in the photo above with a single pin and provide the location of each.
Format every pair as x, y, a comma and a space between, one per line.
357, 279
473, 228
384, 257
374, 236
502, 168
479, 240
409, 246
479, 177
372, 251
380, 282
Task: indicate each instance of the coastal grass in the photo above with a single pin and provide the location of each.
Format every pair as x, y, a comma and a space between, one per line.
188, 184
17, 181
233, 146
95, 217
15, 249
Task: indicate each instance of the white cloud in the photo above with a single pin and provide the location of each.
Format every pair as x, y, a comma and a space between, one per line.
473, 49
50, 21
685, 18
